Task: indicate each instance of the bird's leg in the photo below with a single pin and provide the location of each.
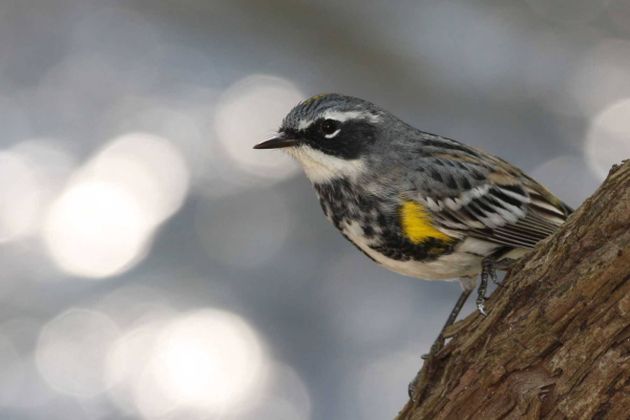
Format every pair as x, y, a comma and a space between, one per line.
439, 341
487, 270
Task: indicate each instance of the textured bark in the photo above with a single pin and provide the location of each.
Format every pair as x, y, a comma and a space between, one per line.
556, 341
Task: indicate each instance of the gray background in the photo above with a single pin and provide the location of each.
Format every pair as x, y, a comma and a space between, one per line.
207, 268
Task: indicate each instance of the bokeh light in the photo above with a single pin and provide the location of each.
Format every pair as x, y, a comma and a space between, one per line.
608, 140
31, 173
149, 167
96, 229
104, 220
72, 351
251, 108
285, 397
20, 196
127, 367
206, 361
184, 120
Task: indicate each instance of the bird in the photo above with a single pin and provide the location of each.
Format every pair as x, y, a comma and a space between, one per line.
419, 204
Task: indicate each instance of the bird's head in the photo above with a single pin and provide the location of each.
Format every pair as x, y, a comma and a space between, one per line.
330, 135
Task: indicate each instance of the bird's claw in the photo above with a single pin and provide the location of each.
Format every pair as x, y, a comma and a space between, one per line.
482, 309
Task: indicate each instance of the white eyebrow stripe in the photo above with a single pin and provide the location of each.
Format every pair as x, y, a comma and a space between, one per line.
342, 116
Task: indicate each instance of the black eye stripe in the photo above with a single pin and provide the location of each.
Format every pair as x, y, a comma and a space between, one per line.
347, 140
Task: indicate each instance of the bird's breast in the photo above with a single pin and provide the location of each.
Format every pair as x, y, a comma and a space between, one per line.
395, 234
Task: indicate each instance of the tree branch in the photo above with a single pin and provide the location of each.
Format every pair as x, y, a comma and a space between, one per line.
556, 341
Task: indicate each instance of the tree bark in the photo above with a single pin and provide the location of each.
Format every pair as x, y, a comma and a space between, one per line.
556, 341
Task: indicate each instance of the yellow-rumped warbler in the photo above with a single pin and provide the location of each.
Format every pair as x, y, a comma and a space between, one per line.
419, 204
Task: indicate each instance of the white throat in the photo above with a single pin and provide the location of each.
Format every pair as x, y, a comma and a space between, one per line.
320, 167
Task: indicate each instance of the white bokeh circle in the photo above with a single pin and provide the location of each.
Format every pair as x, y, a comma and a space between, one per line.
608, 138
72, 351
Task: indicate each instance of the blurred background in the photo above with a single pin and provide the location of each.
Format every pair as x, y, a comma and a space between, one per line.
154, 266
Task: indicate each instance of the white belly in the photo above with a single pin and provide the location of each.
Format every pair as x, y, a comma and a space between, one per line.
464, 261
448, 267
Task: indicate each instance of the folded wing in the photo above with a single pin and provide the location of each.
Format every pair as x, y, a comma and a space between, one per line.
479, 195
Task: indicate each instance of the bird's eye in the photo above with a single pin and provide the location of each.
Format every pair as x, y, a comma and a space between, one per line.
330, 128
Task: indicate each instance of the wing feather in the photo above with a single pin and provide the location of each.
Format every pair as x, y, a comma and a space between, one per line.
483, 196
506, 215
499, 203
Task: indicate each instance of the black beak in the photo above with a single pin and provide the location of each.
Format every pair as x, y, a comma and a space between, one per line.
279, 141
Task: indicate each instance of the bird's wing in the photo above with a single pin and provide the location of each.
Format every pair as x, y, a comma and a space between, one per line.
471, 193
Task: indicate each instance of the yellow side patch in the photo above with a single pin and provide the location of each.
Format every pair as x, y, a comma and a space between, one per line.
416, 223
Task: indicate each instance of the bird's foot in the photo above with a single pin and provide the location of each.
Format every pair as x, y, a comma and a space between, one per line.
437, 345
481, 307
487, 271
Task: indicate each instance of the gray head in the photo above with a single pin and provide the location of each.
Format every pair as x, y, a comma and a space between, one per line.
329, 134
